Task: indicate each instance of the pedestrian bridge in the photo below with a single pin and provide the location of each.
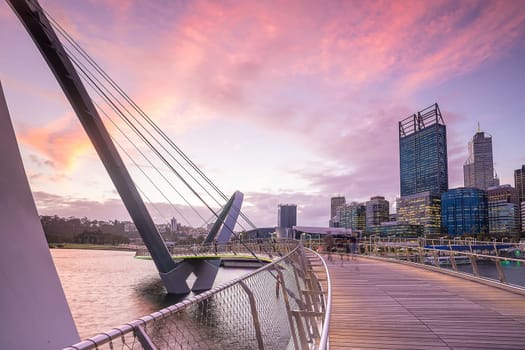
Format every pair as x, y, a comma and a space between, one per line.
379, 304
304, 300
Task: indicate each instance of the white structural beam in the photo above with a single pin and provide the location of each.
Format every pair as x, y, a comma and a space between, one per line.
34, 313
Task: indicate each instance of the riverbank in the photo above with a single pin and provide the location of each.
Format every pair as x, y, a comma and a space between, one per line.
121, 247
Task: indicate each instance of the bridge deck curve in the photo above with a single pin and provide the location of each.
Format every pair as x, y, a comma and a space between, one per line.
382, 305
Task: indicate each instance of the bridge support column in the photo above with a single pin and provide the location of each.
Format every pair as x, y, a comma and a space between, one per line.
204, 269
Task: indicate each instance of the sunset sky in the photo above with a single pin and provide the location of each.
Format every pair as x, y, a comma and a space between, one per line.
286, 101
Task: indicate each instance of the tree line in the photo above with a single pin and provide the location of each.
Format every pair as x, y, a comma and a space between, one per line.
83, 230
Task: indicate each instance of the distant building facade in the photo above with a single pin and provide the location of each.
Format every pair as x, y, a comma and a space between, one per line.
478, 170
352, 215
174, 224
464, 210
287, 215
519, 184
423, 152
503, 209
377, 211
335, 202
422, 209
395, 229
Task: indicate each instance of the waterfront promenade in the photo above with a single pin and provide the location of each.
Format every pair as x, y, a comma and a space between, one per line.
383, 305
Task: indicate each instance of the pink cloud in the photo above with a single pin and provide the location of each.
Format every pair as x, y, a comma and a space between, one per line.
227, 57
60, 141
304, 69
497, 27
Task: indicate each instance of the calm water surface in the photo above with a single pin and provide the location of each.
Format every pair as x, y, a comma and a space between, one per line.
106, 289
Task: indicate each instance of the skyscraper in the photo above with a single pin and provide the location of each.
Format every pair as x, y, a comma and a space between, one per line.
335, 202
423, 152
519, 184
352, 216
377, 211
503, 210
478, 170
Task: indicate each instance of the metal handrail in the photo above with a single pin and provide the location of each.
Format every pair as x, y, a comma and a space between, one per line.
429, 258
324, 341
137, 330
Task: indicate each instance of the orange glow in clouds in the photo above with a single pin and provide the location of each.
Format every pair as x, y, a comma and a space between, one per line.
62, 141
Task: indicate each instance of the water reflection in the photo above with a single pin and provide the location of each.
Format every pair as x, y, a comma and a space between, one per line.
106, 289
152, 291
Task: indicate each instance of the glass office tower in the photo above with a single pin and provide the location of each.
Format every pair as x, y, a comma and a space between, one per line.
465, 211
478, 170
503, 211
423, 152
377, 211
519, 184
352, 216
422, 209
335, 202
287, 215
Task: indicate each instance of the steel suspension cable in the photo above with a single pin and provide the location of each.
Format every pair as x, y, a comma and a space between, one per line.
101, 93
144, 139
92, 79
137, 108
91, 84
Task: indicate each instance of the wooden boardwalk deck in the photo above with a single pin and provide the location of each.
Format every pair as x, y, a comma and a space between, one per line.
382, 305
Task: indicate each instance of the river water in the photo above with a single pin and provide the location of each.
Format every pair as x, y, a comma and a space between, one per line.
106, 289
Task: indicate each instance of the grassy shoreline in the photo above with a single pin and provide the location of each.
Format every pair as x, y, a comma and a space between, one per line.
90, 246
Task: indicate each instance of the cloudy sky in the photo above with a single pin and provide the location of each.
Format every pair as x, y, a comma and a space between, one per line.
286, 101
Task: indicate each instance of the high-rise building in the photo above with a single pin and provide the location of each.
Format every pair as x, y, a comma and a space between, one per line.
503, 210
423, 152
478, 170
352, 216
173, 225
377, 211
335, 202
287, 215
465, 211
422, 209
519, 184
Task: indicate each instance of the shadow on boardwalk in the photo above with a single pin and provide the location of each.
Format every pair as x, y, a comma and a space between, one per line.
382, 305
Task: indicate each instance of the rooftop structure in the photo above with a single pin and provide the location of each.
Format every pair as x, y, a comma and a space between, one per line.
423, 152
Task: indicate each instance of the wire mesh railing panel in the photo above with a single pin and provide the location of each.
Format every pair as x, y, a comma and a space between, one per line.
266, 309
271, 310
218, 322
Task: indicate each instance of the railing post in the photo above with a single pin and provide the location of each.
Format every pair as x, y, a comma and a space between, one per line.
288, 309
474, 262
436, 258
255, 316
144, 339
453, 260
501, 273
309, 296
421, 255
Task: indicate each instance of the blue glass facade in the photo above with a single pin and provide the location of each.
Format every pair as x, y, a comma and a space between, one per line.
423, 153
464, 210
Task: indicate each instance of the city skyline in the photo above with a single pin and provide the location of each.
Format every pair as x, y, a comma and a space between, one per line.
291, 103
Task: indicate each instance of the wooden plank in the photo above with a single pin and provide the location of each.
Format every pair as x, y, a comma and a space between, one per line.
381, 305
